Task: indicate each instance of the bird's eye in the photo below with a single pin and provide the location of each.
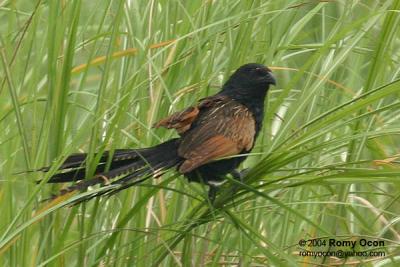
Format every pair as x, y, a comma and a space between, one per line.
261, 71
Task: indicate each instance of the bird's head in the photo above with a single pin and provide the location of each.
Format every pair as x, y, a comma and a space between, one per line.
254, 74
249, 80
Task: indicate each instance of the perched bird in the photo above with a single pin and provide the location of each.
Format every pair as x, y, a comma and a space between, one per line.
222, 125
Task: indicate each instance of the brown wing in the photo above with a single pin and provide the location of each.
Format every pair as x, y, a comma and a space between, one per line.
182, 121
225, 128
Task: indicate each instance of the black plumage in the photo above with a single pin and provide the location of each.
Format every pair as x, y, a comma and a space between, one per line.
223, 125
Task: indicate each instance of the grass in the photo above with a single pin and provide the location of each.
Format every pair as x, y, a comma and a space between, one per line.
95, 75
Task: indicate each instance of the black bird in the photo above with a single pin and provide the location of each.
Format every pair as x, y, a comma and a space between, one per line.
222, 125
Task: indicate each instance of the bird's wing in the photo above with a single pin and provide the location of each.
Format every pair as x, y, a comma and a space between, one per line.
222, 128
182, 121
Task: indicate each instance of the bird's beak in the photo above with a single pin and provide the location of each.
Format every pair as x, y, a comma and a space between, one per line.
271, 78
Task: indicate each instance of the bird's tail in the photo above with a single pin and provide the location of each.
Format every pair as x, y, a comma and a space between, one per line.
126, 167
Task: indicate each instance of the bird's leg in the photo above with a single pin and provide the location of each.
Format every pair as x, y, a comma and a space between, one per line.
212, 192
239, 175
214, 186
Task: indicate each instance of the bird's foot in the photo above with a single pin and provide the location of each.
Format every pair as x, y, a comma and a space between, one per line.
212, 192
239, 175
214, 188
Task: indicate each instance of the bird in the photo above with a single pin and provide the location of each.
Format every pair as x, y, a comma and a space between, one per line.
215, 137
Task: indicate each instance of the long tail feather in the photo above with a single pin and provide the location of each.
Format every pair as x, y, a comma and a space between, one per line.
127, 167
79, 173
79, 159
